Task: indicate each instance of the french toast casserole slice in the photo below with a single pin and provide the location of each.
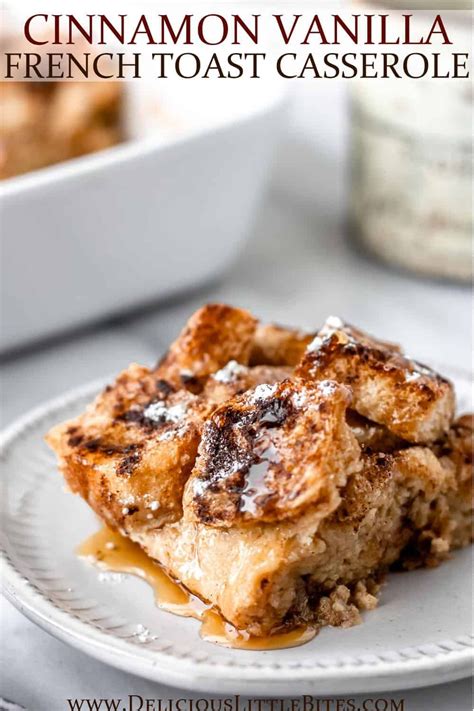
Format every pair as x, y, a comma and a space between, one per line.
277, 475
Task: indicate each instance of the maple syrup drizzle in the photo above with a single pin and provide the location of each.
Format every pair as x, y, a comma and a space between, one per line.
112, 552
215, 629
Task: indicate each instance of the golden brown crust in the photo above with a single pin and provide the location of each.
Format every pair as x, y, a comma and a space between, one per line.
213, 336
235, 379
132, 451
278, 345
411, 400
272, 451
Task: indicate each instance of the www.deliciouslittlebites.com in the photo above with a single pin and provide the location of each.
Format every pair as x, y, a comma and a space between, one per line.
136, 702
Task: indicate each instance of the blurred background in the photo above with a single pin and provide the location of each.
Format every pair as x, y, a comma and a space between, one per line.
307, 210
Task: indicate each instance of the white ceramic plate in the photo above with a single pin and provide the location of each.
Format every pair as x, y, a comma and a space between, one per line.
419, 635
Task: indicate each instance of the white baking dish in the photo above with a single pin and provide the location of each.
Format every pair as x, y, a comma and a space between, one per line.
159, 214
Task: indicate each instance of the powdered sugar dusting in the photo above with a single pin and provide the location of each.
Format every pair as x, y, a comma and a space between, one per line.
153, 505
327, 387
230, 372
178, 431
263, 392
332, 324
299, 399
412, 375
314, 345
162, 413
416, 370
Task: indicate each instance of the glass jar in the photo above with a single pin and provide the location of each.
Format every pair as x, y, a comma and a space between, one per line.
411, 190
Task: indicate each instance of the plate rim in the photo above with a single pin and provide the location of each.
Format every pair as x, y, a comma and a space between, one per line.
438, 662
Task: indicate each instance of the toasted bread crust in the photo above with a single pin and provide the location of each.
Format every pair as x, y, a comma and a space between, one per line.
408, 398
278, 345
134, 448
235, 379
269, 453
132, 451
213, 336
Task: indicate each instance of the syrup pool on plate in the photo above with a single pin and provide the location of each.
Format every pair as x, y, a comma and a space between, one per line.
112, 552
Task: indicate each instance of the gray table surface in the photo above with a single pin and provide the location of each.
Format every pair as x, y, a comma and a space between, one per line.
297, 267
